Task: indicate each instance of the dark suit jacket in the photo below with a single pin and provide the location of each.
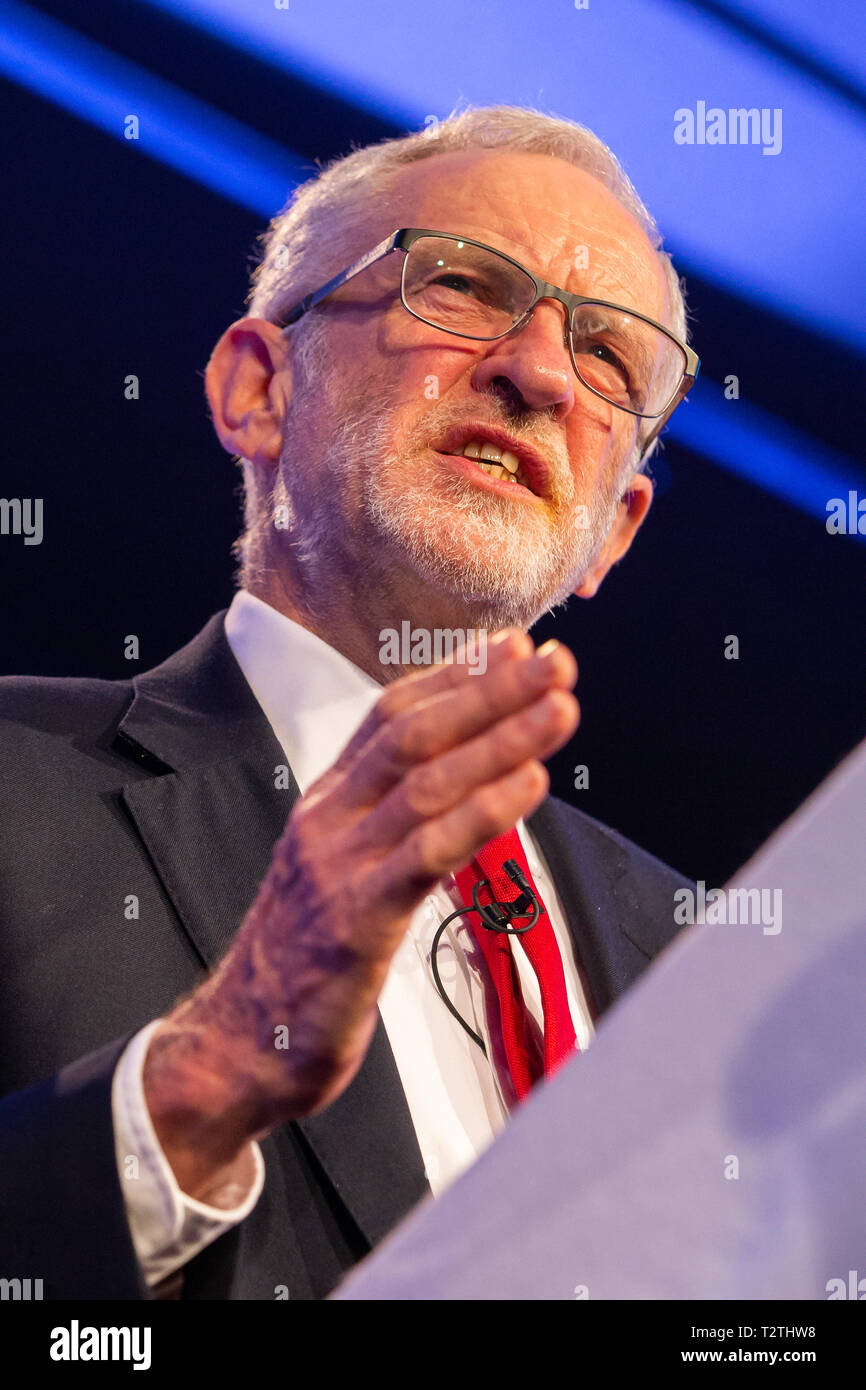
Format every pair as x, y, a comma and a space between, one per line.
163, 788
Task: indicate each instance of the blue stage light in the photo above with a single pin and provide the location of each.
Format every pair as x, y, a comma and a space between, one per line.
188, 135
759, 447
237, 163
785, 231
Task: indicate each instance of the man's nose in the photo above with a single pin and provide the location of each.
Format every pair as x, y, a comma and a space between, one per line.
535, 359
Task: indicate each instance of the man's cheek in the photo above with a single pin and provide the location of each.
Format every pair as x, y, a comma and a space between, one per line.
423, 386
600, 445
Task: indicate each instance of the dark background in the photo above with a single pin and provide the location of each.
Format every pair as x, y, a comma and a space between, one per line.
115, 264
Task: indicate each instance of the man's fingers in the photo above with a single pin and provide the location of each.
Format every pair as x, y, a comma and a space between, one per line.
442, 846
507, 645
447, 720
431, 788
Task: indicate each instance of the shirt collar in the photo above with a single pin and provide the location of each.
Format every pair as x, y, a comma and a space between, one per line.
313, 697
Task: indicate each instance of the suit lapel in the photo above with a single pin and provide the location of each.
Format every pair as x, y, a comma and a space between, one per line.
209, 822
209, 831
614, 933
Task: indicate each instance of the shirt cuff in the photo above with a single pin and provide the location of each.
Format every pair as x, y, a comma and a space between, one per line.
168, 1227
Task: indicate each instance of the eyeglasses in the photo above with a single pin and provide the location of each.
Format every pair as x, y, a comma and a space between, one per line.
464, 287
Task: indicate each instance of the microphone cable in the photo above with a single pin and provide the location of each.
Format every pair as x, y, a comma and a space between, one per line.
496, 917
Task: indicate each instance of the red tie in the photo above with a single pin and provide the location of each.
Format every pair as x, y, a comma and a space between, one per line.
543, 953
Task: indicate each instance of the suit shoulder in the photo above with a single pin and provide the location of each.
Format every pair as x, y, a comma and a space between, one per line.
627, 857
60, 705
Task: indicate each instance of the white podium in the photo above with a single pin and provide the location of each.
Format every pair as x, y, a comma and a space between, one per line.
711, 1143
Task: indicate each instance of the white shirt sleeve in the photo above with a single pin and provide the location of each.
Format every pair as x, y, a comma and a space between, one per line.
168, 1228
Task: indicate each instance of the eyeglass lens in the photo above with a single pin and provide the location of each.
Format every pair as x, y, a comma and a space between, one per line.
476, 293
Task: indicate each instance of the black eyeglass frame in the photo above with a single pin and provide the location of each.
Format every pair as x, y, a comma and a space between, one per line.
405, 237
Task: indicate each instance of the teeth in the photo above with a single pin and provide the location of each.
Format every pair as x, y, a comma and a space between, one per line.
496, 471
499, 463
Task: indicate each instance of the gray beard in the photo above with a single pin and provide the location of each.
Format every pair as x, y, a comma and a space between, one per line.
512, 566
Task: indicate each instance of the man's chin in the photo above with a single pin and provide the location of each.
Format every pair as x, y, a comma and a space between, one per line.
488, 557
488, 588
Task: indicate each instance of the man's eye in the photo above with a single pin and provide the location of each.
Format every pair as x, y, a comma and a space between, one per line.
454, 281
602, 353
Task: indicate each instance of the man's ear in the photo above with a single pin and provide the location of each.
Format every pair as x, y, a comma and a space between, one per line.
630, 513
248, 381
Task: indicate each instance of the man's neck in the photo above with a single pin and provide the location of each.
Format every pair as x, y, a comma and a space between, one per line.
383, 633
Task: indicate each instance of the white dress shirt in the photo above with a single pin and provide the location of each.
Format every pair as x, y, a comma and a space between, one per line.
314, 700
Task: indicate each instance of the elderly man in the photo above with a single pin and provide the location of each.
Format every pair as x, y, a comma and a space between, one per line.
460, 347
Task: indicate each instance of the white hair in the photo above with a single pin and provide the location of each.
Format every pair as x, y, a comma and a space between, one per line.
321, 229
314, 236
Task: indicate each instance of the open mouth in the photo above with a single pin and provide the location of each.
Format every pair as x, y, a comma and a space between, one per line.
504, 469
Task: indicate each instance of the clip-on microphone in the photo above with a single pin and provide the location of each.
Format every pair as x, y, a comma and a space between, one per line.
495, 916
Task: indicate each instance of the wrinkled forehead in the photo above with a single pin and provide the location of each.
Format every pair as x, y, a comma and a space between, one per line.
555, 218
